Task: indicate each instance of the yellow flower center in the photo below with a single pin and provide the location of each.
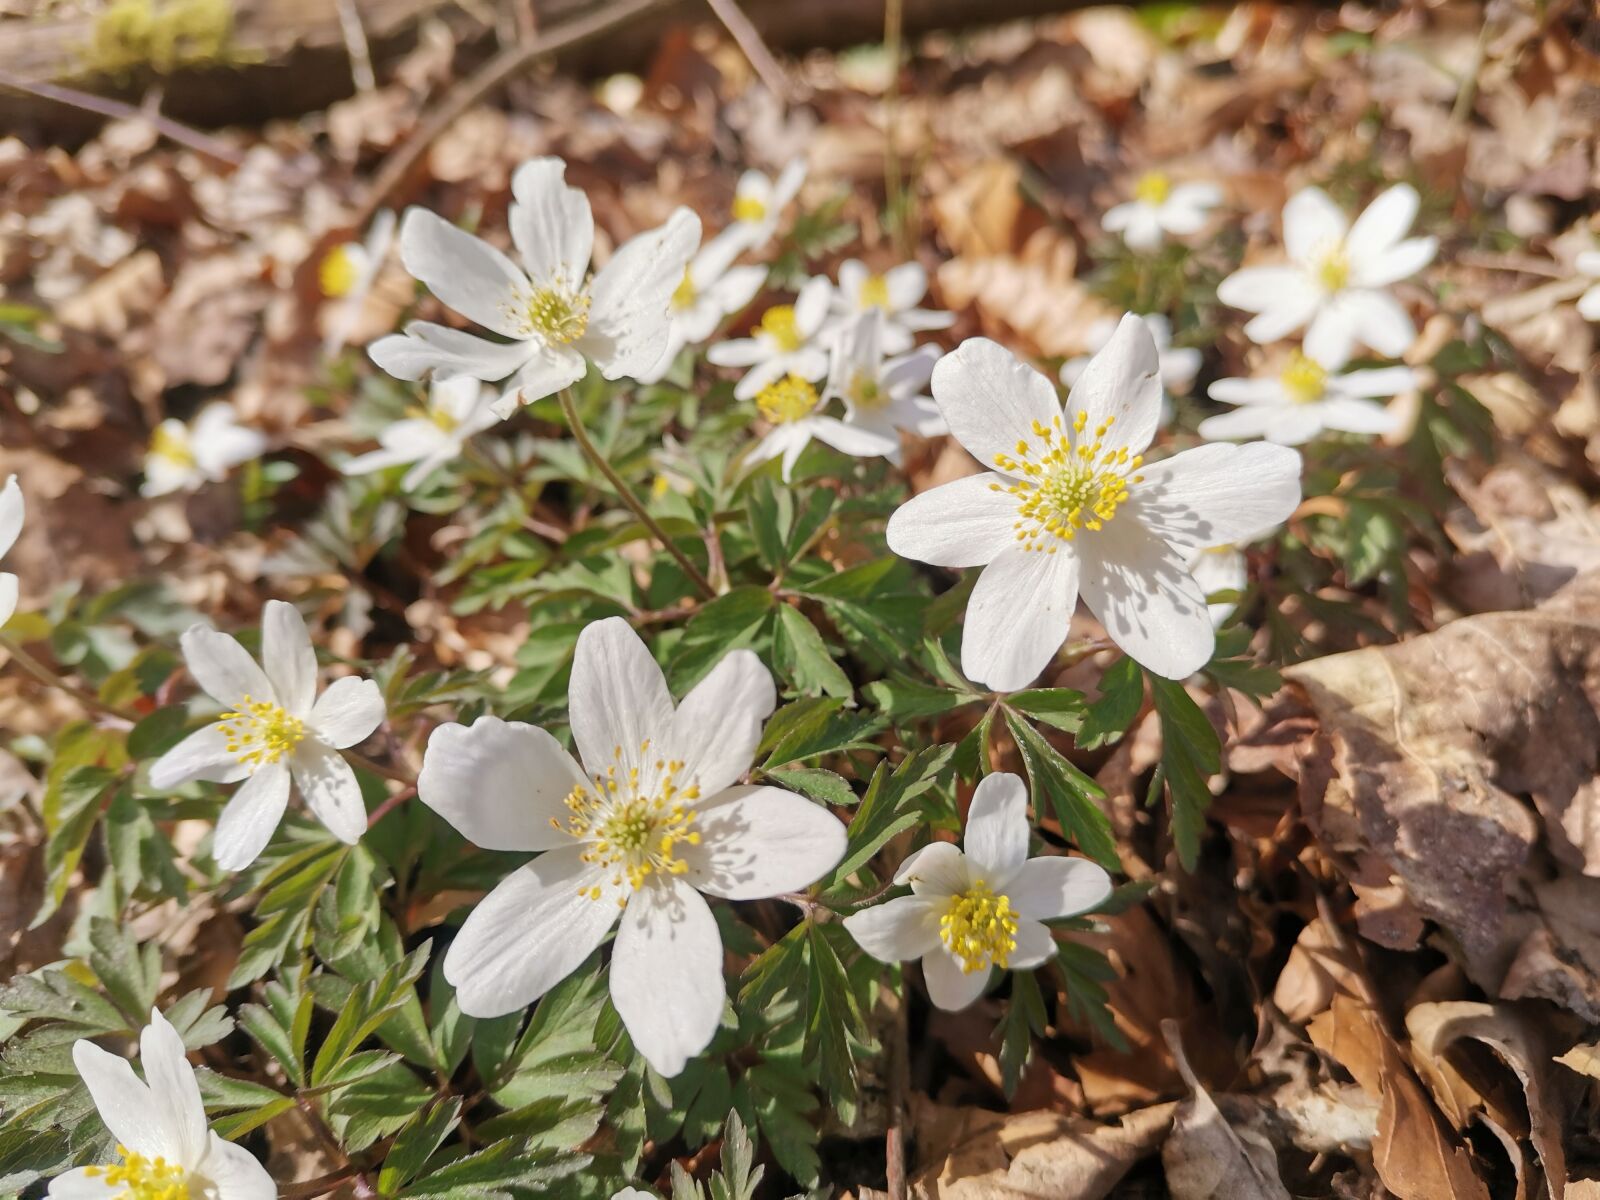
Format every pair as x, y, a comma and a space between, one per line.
1153, 187
633, 824
684, 296
786, 400
142, 1178
1333, 270
979, 928
338, 271
172, 444
749, 208
261, 732
866, 391
1304, 379
1067, 483
778, 324
875, 292
560, 315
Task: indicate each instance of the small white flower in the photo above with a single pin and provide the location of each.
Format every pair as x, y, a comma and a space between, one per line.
1224, 568
1160, 207
1177, 368
712, 289
276, 729
555, 314
11, 514
1305, 398
758, 203
895, 294
456, 410
882, 396
164, 1144
1588, 263
785, 342
1335, 279
182, 457
652, 819
984, 908
346, 275
1072, 508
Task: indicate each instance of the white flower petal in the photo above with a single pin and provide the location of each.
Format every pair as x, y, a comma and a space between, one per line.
1312, 225
1046, 888
991, 400
1017, 616
1379, 229
328, 786
897, 930
1352, 414
223, 668
219, 443
466, 273
1331, 337
1034, 946
854, 440
949, 987
938, 869
123, 1101
250, 816
501, 784
12, 511
425, 347
1269, 290
718, 726
1293, 426
1120, 389
287, 657
996, 838
906, 284
1178, 368
964, 523
174, 1094
1380, 381
811, 305
618, 698
80, 1184
235, 1173
546, 373
1382, 322
1215, 494
1248, 391
348, 712
629, 319
1589, 305
203, 754
1141, 590
1241, 424
8, 596
1397, 263
551, 224
666, 975
740, 352
757, 842
529, 934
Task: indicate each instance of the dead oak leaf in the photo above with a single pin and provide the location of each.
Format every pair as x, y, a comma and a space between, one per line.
1205, 1158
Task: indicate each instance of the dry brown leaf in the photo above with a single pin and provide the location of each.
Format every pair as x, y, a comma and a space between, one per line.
131, 287
1205, 1158
1032, 300
977, 214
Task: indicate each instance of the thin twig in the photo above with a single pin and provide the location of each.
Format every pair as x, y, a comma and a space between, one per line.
894, 1140
893, 184
198, 142
389, 805
49, 678
569, 409
748, 39
397, 774
491, 75
320, 1186
355, 45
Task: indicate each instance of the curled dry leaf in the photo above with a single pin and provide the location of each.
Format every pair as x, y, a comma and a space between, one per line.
1206, 1158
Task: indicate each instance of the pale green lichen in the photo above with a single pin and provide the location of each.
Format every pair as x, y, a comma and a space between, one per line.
162, 36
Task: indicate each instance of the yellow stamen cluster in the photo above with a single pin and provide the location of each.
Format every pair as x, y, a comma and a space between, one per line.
778, 323
1304, 379
561, 316
875, 292
338, 271
1333, 269
633, 824
142, 1178
685, 294
866, 391
749, 208
979, 928
1072, 483
788, 399
261, 732
1153, 187
173, 447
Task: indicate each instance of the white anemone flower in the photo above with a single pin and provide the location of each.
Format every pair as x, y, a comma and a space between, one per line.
895, 293
1334, 282
183, 457
1160, 207
555, 314
712, 289
166, 1149
1305, 398
275, 730
1070, 507
11, 514
882, 395
758, 203
982, 908
654, 818
1588, 263
1177, 368
346, 275
785, 342
456, 410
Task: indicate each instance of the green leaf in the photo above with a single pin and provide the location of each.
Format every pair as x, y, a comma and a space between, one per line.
803, 657
1121, 697
131, 974
823, 786
891, 806
1190, 755
415, 1142
1023, 1018
1070, 792
730, 622
371, 1004
905, 700
810, 728
1061, 707
739, 1174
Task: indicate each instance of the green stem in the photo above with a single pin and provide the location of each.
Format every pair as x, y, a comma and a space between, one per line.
49, 678
569, 409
